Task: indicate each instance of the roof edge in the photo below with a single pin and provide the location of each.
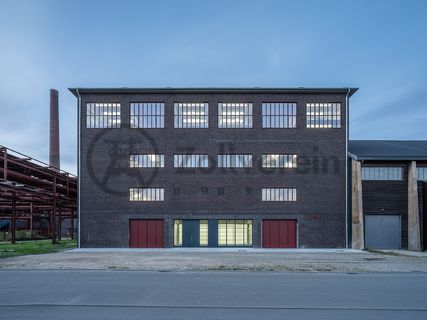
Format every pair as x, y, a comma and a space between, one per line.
343, 90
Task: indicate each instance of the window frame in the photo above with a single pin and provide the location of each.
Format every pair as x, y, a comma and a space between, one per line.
294, 160
290, 192
140, 117
220, 115
334, 116
178, 119
244, 224
140, 194
236, 155
284, 116
96, 117
140, 160
381, 178
179, 158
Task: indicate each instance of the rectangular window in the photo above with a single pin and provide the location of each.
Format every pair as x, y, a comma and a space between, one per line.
279, 115
177, 233
204, 236
235, 115
232, 233
190, 161
382, 173
234, 161
103, 115
279, 194
147, 160
279, 160
147, 115
323, 115
422, 173
191, 115
147, 194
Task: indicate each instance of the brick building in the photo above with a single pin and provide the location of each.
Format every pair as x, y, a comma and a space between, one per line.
195, 167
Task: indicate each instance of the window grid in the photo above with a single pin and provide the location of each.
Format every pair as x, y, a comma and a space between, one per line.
147, 115
382, 173
146, 194
422, 173
279, 160
234, 233
279, 194
146, 160
191, 115
203, 233
190, 161
103, 115
279, 115
177, 233
235, 115
323, 115
234, 161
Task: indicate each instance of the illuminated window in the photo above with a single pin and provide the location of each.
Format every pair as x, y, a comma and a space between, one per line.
191, 115
323, 115
234, 161
279, 194
422, 173
235, 115
279, 160
146, 194
279, 115
190, 161
103, 115
147, 160
147, 115
382, 173
177, 233
234, 233
204, 233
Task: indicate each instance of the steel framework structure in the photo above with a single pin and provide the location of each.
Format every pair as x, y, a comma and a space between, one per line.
29, 187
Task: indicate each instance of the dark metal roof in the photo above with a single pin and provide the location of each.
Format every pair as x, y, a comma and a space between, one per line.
123, 90
388, 149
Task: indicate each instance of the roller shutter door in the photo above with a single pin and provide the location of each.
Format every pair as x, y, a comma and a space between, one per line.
382, 231
146, 234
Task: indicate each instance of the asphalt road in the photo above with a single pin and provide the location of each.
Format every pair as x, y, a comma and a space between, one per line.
44, 294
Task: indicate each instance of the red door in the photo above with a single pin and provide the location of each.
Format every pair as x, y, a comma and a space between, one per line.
146, 234
279, 233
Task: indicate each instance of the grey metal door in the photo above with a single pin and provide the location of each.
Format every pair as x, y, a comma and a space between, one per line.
382, 231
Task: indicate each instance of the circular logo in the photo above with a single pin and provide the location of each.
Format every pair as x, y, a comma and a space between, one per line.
108, 158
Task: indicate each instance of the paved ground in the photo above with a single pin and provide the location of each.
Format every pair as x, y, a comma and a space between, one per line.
226, 260
68, 294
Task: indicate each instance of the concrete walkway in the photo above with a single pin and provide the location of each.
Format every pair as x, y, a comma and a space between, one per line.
300, 260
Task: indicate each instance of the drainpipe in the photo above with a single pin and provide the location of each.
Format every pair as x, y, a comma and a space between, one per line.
347, 98
79, 104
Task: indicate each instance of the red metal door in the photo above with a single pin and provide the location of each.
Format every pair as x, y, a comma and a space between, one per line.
146, 234
279, 233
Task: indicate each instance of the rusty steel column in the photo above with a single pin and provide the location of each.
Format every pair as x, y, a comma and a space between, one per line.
72, 225
5, 165
53, 216
60, 224
54, 152
13, 224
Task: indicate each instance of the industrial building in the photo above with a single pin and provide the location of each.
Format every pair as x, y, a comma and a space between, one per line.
213, 167
389, 194
37, 200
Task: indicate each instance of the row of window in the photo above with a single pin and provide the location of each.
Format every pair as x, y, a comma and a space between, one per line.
390, 173
202, 160
230, 115
231, 233
158, 194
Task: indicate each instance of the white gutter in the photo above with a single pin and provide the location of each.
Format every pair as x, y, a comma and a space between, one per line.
79, 103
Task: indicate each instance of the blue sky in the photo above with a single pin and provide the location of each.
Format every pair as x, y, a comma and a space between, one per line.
378, 46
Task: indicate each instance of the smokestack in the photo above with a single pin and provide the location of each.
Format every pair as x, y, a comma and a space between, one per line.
54, 130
